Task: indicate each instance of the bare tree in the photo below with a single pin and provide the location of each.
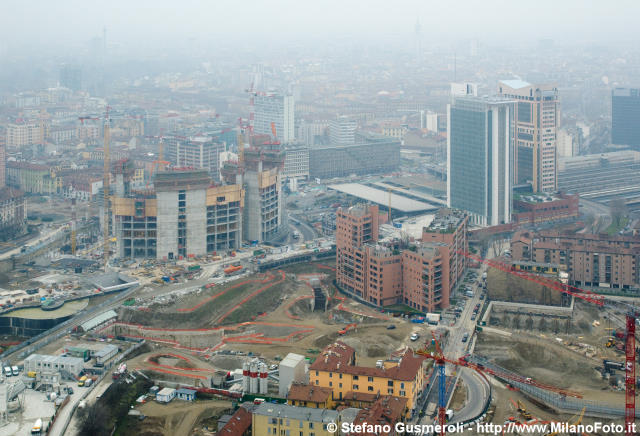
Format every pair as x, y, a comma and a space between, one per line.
95, 421
618, 211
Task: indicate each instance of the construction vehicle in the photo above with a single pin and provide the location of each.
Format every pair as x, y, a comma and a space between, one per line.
347, 328
37, 427
82, 380
523, 411
232, 269
611, 342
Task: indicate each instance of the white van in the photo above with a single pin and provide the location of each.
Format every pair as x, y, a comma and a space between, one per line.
7, 371
15, 371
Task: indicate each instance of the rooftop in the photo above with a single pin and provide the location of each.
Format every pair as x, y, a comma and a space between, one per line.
295, 412
446, 220
238, 424
338, 357
304, 392
515, 83
381, 197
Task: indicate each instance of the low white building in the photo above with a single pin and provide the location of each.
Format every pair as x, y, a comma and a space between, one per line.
166, 395
105, 353
67, 366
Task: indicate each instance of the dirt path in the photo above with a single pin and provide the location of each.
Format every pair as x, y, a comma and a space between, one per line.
180, 417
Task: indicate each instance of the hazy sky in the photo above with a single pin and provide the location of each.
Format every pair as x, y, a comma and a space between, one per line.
73, 22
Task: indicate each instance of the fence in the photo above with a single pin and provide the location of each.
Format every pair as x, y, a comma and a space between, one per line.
103, 375
553, 399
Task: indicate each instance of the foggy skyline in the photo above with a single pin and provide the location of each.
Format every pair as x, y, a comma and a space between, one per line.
131, 25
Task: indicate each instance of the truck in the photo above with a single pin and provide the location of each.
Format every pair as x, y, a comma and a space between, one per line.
194, 268
296, 234
433, 318
88, 382
37, 427
82, 380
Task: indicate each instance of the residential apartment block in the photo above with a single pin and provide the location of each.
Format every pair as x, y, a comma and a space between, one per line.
383, 273
199, 152
590, 260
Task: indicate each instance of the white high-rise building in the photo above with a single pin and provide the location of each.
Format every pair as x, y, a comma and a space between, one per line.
342, 131
466, 88
278, 109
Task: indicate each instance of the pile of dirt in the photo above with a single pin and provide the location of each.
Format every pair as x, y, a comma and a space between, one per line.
541, 360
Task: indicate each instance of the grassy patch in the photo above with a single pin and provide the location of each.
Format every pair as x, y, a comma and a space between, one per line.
615, 227
401, 308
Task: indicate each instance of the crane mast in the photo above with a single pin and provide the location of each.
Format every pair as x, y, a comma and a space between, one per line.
105, 187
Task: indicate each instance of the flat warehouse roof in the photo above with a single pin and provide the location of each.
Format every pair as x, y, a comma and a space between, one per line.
398, 202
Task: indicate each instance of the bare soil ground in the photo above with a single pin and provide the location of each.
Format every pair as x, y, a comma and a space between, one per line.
177, 417
549, 361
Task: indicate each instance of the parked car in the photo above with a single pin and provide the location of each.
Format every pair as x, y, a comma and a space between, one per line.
414, 337
391, 327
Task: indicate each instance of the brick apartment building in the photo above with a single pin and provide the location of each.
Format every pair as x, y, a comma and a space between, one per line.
590, 260
419, 274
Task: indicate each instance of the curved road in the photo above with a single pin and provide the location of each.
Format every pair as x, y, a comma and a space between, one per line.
478, 390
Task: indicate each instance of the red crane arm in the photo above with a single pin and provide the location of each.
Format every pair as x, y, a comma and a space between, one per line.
560, 287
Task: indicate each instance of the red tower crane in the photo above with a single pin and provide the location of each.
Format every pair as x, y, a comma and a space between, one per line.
591, 297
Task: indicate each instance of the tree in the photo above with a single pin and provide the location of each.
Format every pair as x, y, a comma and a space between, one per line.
618, 211
94, 421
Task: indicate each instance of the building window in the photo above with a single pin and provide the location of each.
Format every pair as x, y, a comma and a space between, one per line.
370, 388
390, 383
370, 379
355, 377
311, 425
355, 387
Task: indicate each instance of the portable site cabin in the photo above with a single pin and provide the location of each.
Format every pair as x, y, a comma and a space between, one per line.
186, 394
166, 395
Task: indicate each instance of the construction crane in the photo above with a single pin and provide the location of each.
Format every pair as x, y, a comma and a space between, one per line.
73, 226
442, 390
585, 295
591, 297
106, 180
630, 373
389, 192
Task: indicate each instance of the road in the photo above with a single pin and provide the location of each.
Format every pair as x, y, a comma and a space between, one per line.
35, 241
305, 229
478, 389
599, 211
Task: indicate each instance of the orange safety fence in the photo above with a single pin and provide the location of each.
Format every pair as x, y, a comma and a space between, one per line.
249, 297
295, 300
267, 279
166, 371
160, 365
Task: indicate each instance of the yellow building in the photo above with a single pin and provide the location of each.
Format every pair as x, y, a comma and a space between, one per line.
402, 376
312, 396
33, 178
284, 420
